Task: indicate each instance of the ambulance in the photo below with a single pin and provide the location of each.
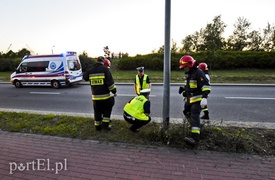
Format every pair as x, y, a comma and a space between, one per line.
54, 70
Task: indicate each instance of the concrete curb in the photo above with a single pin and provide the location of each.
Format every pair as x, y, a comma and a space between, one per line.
261, 125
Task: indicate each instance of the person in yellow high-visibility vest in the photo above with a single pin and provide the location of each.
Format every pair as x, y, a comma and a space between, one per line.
142, 81
137, 110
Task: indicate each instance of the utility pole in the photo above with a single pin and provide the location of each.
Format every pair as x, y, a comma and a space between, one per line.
8, 48
52, 49
167, 67
31, 51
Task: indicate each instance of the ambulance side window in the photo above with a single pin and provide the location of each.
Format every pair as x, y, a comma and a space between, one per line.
23, 68
73, 65
38, 66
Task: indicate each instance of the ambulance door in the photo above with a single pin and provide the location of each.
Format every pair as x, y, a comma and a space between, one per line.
75, 71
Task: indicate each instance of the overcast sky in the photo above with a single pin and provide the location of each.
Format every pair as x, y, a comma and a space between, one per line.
132, 26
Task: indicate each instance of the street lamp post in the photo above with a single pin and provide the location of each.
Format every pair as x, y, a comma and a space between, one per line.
52, 49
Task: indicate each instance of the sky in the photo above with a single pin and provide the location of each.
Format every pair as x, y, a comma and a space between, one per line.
126, 26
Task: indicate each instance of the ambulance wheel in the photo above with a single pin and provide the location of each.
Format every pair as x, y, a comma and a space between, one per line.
17, 84
55, 84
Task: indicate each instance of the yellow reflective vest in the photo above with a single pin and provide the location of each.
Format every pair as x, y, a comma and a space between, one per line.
135, 108
144, 84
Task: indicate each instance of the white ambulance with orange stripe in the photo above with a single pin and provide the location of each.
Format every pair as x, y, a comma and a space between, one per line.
54, 70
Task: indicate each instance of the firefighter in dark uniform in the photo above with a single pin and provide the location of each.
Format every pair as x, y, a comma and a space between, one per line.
196, 90
203, 66
102, 84
137, 110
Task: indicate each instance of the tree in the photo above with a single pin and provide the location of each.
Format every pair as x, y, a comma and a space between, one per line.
23, 52
209, 38
191, 43
238, 41
268, 42
254, 41
10, 54
212, 35
174, 48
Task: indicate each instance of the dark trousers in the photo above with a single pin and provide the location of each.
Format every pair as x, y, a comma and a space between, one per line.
193, 111
136, 123
103, 109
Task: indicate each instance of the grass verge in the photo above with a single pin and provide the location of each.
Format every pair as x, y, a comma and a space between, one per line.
260, 76
218, 138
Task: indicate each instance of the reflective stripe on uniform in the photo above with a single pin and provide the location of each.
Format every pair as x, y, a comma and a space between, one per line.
195, 130
106, 120
206, 88
195, 98
112, 87
97, 123
193, 84
97, 79
101, 97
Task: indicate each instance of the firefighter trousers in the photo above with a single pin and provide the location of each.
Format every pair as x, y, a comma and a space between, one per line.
103, 110
193, 111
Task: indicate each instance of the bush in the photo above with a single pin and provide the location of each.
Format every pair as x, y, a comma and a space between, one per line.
216, 60
9, 64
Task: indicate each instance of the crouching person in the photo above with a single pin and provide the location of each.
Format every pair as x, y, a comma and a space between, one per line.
137, 110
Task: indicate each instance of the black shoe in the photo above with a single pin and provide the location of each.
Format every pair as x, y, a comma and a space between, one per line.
98, 128
108, 128
205, 117
133, 130
190, 140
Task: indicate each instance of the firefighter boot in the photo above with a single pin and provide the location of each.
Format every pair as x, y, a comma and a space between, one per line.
206, 115
193, 140
98, 125
106, 126
98, 128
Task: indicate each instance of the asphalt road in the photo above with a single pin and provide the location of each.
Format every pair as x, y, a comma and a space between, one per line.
226, 102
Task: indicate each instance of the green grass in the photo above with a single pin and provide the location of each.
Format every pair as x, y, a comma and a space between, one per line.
218, 138
260, 76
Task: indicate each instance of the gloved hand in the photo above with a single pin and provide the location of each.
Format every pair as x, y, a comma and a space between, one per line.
203, 102
181, 89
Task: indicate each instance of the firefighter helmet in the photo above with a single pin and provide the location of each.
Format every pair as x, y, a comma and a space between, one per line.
203, 66
107, 63
187, 61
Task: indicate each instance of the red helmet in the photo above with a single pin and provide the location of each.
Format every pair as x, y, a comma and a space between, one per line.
107, 63
187, 61
203, 66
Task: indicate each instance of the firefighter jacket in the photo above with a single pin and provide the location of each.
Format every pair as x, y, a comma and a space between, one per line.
142, 85
135, 108
196, 86
101, 81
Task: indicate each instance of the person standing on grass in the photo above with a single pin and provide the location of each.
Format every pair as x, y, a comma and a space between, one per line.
102, 83
195, 93
204, 68
142, 81
137, 110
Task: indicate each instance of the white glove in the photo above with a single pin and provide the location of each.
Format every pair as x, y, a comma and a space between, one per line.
203, 102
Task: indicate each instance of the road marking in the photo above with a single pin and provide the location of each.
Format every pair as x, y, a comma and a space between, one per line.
44, 93
252, 98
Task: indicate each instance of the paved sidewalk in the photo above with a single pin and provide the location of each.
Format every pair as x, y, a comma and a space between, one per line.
29, 156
